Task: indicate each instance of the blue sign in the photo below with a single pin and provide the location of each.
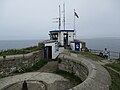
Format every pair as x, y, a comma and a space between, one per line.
77, 46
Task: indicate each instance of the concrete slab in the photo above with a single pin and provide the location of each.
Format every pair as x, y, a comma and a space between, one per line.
48, 78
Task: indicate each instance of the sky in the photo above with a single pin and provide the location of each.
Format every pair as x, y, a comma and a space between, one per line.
33, 19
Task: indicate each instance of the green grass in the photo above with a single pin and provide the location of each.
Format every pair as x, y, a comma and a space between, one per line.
115, 80
20, 51
89, 55
35, 67
114, 66
73, 79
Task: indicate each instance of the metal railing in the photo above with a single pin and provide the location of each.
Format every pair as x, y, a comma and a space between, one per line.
112, 54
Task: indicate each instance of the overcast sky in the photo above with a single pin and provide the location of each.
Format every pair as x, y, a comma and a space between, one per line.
32, 19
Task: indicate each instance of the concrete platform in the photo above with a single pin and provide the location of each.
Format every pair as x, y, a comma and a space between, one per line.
52, 81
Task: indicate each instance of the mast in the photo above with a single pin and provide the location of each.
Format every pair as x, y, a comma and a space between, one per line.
74, 23
64, 16
59, 18
75, 15
74, 19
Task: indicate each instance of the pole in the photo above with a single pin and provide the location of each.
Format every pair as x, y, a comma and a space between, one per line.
64, 16
59, 19
74, 24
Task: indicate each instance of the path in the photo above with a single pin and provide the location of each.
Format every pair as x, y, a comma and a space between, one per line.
49, 67
109, 62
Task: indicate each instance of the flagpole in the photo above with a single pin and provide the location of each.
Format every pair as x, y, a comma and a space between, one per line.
64, 16
74, 24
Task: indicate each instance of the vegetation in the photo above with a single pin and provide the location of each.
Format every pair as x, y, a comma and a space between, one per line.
115, 80
115, 66
73, 79
21, 51
89, 55
35, 67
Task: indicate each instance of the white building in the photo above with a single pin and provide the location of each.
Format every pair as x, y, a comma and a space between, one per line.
60, 38
57, 38
51, 50
64, 37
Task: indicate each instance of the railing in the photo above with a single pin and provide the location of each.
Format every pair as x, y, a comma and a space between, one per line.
112, 54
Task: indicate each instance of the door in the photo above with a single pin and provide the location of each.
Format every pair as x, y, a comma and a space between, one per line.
48, 52
65, 39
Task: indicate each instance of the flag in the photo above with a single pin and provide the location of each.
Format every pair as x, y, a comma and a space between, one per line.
76, 14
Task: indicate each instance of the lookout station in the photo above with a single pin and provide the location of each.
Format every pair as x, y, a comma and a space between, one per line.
58, 40
64, 37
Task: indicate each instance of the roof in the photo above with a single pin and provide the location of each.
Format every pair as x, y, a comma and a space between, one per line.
61, 31
49, 41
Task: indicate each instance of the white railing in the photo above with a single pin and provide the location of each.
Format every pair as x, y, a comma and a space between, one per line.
112, 54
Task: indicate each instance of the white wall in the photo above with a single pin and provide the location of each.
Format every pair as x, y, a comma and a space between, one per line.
70, 37
59, 36
62, 38
72, 45
54, 52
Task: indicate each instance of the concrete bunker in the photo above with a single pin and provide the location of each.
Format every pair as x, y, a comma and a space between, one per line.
35, 81
93, 75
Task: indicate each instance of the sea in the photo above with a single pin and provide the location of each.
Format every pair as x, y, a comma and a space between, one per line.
95, 44
102, 43
112, 45
17, 44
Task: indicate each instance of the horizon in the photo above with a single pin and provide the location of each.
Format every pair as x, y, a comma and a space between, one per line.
48, 38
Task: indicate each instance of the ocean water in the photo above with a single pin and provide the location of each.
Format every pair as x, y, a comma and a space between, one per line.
100, 44
96, 44
113, 46
17, 44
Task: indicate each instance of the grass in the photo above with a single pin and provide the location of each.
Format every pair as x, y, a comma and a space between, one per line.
73, 79
21, 51
35, 67
115, 66
115, 80
89, 55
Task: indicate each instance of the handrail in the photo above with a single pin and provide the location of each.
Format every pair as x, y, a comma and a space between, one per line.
113, 54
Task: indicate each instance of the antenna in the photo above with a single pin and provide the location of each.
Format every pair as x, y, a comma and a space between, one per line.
74, 24
64, 16
59, 18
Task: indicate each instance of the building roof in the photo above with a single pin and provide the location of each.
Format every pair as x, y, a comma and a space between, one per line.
61, 31
49, 41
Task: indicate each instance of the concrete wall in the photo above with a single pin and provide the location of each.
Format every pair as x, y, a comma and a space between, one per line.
93, 75
13, 62
62, 38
